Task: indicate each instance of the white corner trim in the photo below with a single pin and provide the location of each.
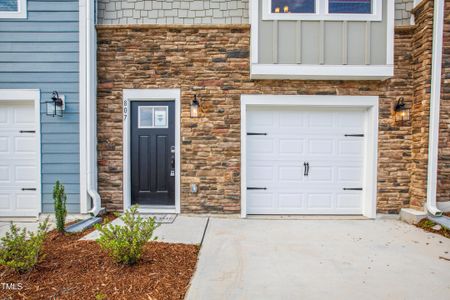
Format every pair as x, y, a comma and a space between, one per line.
435, 99
130, 95
331, 72
35, 96
371, 160
21, 13
83, 68
322, 13
390, 32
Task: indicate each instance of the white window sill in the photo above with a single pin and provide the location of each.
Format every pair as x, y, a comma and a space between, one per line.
321, 72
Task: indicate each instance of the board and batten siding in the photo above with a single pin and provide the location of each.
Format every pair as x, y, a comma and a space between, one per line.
41, 52
322, 42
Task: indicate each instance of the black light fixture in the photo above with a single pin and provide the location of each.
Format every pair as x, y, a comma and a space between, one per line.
56, 106
195, 105
401, 111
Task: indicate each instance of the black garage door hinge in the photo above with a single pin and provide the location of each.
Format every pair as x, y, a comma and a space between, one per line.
256, 188
352, 189
256, 133
355, 135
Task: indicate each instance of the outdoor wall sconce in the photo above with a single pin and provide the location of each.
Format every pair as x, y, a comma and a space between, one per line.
401, 112
195, 106
56, 106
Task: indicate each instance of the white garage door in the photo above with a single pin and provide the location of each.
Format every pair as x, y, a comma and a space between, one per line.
303, 161
18, 163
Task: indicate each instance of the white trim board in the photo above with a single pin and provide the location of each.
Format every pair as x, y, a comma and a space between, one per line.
324, 72
151, 95
35, 96
370, 163
21, 13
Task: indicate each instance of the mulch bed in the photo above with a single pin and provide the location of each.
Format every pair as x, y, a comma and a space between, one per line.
427, 225
73, 269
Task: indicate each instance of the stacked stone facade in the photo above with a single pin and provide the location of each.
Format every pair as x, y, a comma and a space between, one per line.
213, 62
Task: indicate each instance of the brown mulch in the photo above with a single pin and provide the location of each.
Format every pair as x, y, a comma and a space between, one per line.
73, 269
427, 225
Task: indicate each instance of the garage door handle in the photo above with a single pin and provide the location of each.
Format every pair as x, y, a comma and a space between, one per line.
355, 135
28, 189
256, 188
27, 131
352, 189
306, 168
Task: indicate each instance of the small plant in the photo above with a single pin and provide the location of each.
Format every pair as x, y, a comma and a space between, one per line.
21, 249
125, 243
60, 199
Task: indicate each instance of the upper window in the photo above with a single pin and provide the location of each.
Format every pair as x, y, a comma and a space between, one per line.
358, 10
13, 8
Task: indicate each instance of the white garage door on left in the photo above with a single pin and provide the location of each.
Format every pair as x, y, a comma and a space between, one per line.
19, 164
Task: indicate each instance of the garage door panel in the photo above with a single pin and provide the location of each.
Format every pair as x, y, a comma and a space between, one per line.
293, 138
319, 200
257, 199
291, 146
18, 160
290, 200
350, 200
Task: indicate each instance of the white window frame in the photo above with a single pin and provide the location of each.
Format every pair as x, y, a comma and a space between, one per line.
322, 13
21, 12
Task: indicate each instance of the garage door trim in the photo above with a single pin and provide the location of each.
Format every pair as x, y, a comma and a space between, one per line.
370, 103
21, 95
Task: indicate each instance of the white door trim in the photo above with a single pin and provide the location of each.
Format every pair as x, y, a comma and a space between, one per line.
371, 146
150, 95
34, 95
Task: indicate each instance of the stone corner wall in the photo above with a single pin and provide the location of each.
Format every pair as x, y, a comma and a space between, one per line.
420, 110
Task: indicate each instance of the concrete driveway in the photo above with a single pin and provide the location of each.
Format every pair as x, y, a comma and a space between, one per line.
320, 259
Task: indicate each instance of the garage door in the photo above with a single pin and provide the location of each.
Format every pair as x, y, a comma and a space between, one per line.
18, 163
305, 161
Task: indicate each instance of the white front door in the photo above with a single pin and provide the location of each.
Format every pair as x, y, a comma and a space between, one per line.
18, 163
305, 161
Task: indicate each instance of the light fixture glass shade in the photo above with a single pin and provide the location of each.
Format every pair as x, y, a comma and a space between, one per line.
195, 107
401, 111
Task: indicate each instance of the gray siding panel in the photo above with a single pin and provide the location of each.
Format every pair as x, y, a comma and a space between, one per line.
41, 52
326, 42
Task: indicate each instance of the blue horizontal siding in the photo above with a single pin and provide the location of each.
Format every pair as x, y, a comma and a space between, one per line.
42, 52
56, 37
36, 47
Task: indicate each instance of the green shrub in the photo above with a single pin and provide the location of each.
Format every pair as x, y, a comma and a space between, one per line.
21, 249
60, 199
125, 243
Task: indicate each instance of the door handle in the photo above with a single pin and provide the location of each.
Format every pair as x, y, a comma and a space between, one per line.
306, 168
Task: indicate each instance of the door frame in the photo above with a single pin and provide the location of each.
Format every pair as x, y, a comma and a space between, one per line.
369, 103
22, 95
150, 95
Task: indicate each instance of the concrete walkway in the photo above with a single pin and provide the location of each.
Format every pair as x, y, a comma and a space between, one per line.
184, 230
320, 259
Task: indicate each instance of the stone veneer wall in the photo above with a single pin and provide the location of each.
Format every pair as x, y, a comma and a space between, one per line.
213, 62
420, 111
196, 11
443, 191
